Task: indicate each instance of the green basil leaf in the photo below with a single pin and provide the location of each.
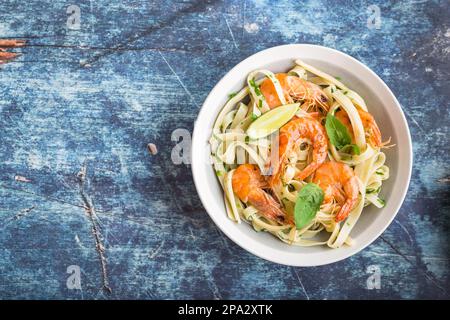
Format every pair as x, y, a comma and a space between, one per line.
309, 199
351, 149
337, 132
356, 149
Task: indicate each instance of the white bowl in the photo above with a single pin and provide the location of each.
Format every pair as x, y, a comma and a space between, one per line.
381, 103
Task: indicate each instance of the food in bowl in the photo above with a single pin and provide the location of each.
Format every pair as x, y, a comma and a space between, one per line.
298, 155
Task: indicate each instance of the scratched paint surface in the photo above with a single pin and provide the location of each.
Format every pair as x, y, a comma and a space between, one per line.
136, 71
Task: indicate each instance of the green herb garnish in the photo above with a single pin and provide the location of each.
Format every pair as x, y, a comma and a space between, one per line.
370, 190
254, 116
338, 78
337, 132
255, 87
219, 173
309, 199
351, 148
232, 95
381, 202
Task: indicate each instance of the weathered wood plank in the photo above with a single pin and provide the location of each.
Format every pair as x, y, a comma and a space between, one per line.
136, 71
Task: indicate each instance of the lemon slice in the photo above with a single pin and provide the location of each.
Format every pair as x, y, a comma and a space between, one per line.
271, 121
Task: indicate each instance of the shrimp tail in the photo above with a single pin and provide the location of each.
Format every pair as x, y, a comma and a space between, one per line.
248, 184
351, 190
371, 127
302, 175
267, 205
345, 210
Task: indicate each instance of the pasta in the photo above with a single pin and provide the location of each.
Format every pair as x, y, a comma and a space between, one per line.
308, 182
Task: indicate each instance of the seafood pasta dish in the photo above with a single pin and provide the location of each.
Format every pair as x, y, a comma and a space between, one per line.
298, 155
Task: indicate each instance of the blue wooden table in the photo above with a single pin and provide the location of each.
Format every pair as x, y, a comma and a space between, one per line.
80, 193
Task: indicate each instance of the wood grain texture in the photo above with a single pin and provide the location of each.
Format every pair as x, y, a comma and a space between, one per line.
136, 71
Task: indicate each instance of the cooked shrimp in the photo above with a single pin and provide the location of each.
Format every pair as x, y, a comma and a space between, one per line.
248, 184
294, 89
292, 135
339, 183
370, 126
